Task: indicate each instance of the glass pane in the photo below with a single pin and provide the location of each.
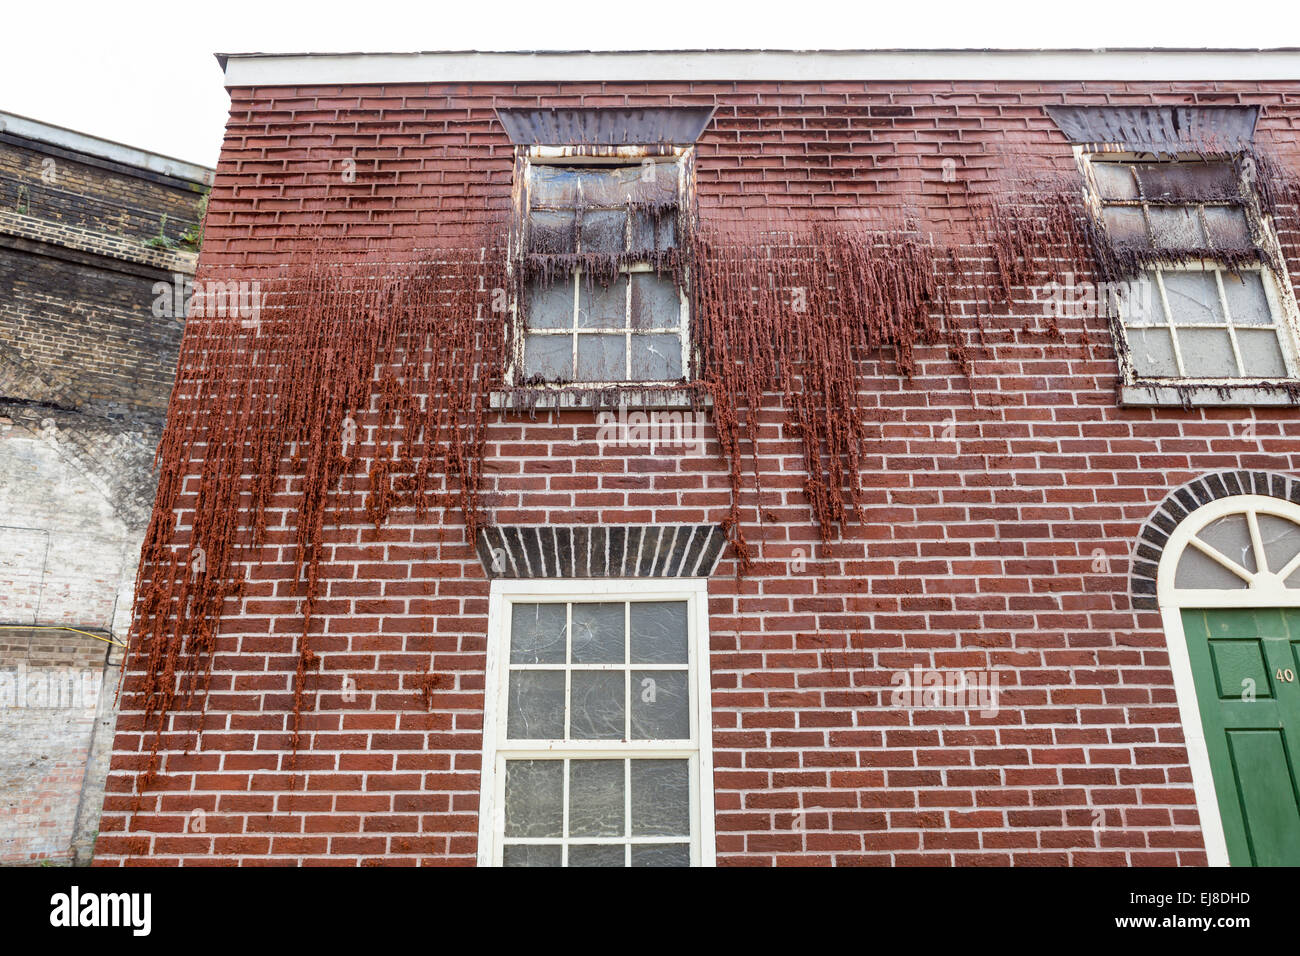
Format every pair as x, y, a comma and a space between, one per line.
602, 306
655, 302
1246, 298
536, 705
602, 358
1115, 180
1172, 182
656, 358
553, 186
597, 705
1152, 352
598, 633
654, 229
532, 854
661, 854
1137, 300
604, 231
1178, 228
616, 186
1195, 570
534, 798
550, 356
660, 706
658, 632
1126, 226
1281, 540
1193, 297
661, 798
550, 306
596, 798
1261, 353
1207, 353
1228, 229
1230, 536
552, 233
537, 634
597, 854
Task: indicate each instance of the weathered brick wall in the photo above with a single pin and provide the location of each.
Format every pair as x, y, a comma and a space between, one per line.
1000, 520
86, 368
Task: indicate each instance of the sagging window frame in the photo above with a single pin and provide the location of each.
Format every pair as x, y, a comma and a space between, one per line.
528, 156
1185, 391
497, 748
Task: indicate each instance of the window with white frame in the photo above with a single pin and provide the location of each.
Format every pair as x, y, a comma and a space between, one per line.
596, 735
1210, 306
604, 290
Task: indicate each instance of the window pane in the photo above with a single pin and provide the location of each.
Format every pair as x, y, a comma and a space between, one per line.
655, 302
656, 358
1195, 570
1152, 353
1261, 353
550, 306
1178, 228
1172, 182
552, 233
1246, 299
1126, 226
602, 358
661, 854
602, 306
550, 356
534, 798
597, 854
616, 186
536, 705
1230, 536
1207, 353
598, 633
661, 798
596, 707
537, 634
1228, 229
553, 186
654, 230
1193, 298
660, 706
532, 854
1115, 180
596, 798
658, 632
1281, 540
604, 232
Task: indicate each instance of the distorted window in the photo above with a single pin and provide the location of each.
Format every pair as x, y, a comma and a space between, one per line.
595, 757
603, 287
1208, 306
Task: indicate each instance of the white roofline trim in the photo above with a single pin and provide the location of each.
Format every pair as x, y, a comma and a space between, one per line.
332, 69
103, 149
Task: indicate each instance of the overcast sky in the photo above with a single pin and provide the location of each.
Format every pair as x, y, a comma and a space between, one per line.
143, 73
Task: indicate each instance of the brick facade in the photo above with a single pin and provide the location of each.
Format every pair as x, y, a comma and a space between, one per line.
999, 534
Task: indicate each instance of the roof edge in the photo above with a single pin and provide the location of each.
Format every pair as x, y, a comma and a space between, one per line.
1044, 65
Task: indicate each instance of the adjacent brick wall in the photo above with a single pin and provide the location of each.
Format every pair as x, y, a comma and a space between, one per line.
86, 367
1002, 516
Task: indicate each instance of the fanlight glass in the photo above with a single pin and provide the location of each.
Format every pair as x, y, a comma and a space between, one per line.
1238, 550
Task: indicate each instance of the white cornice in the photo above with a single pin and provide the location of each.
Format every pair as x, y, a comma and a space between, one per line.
331, 69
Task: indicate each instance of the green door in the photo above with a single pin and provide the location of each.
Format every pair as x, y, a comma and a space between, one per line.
1247, 669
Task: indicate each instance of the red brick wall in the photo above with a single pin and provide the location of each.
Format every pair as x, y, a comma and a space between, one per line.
1003, 542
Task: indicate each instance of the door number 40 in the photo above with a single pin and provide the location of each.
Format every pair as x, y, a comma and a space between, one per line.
1285, 675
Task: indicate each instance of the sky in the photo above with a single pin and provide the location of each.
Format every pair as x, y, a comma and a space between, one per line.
143, 73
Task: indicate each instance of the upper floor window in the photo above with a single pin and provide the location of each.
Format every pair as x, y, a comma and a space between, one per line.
604, 298
1212, 306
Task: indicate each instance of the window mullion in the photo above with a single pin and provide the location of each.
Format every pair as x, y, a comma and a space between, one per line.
1169, 322
1227, 317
